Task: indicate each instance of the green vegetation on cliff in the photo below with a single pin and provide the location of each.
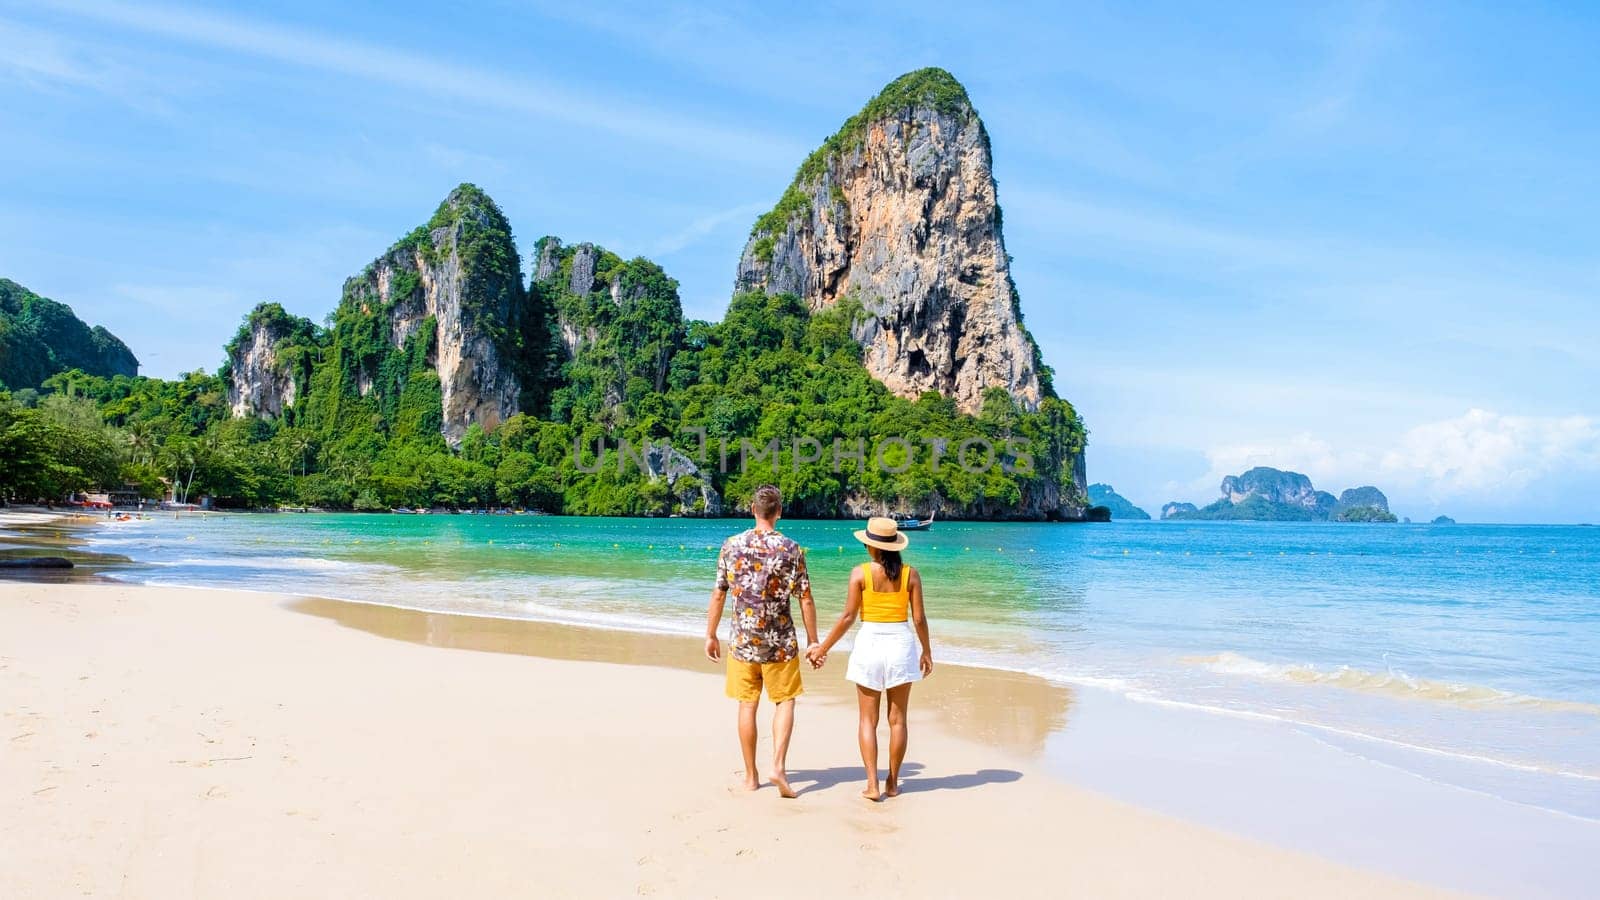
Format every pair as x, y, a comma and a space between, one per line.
40, 338
1120, 507
930, 88
598, 358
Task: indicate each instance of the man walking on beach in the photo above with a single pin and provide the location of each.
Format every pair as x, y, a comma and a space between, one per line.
763, 570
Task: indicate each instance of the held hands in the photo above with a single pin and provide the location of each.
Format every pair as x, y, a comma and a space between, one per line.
816, 656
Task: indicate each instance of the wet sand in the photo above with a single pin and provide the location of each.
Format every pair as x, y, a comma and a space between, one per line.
201, 743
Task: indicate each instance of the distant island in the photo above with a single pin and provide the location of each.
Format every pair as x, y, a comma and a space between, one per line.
1265, 494
1121, 507
1442, 520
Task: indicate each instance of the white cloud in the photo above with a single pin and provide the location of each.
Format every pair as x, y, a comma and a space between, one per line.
45, 62
1485, 451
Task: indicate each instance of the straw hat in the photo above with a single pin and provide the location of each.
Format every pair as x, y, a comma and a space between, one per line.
882, 533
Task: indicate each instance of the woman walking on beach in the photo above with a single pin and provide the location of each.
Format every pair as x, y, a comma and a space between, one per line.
887, 595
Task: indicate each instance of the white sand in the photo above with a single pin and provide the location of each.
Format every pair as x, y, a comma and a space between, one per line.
179, 743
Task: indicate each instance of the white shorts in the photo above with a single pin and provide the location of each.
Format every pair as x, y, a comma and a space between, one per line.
885, 655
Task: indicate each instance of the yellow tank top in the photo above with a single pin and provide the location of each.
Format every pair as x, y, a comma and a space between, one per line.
884, 607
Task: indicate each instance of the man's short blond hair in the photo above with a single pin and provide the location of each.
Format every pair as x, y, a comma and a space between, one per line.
767, 502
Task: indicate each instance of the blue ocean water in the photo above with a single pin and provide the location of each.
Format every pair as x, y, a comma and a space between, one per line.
1468, 654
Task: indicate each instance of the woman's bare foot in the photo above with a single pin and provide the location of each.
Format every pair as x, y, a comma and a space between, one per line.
891, 788
872, 793
751, 781
781, 782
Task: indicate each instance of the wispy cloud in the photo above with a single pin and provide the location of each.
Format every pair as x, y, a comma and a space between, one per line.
44, 61
418, 72
701, 227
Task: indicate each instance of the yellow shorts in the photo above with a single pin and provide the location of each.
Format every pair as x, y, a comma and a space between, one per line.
782, 680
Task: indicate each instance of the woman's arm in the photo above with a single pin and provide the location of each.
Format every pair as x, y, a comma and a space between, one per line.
919, 618
852, 609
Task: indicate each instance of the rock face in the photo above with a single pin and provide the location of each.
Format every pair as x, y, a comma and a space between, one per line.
898, 211
1363, 504
1364, 496
461, 271
689, 486
1265, 494
1276, 486
1176, 510
261, 381
1121, 507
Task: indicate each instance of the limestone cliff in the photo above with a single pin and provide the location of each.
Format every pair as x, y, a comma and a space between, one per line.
1177, 509
898, 211
1265, 494
265, 370
461, 272
1278, 487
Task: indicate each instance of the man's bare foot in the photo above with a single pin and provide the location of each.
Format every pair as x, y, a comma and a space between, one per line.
891, 788
781, 782
751, 781
872, 793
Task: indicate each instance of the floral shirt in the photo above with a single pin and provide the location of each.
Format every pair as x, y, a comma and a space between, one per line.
763, 570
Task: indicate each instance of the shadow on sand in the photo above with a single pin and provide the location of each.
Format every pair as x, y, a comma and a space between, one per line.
808, 781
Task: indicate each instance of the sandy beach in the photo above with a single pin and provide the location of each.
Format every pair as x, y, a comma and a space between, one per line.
200, 743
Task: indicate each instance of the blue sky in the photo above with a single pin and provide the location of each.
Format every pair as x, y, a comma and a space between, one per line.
1354, 240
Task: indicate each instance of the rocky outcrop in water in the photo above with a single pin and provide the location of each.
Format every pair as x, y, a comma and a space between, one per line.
1363, 504
1278, 487
1121, 507
1265, 494
1178, 510
897, 211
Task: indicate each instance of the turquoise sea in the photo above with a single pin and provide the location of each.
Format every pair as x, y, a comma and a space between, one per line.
1467, 654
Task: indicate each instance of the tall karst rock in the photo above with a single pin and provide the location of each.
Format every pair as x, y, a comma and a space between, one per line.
898, 211
436, 335
459, 277
269, 362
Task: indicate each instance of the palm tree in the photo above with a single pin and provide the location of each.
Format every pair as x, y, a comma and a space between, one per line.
300, 442
141, 442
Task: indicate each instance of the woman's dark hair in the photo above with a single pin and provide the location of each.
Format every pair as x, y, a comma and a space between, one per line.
891, 562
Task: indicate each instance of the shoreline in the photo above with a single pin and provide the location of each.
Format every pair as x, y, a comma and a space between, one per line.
314, 740
1266, 779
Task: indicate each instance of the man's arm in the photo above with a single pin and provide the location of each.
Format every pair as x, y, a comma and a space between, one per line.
719, 596
808, 606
